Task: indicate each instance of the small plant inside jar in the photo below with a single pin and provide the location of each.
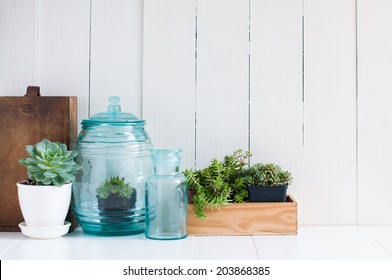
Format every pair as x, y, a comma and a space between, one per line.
115, 194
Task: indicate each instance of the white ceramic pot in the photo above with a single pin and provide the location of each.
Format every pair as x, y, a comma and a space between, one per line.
44, 206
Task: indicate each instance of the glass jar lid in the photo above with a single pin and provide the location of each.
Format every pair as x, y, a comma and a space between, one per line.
113, 115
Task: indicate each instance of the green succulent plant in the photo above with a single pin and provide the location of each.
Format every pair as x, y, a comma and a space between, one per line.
115, 185
50, 163
218, 184
268, 174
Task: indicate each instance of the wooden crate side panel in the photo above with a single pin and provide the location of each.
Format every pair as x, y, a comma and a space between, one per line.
246, 219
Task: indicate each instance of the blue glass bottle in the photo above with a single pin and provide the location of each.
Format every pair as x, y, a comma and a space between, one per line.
166, 197
108, 193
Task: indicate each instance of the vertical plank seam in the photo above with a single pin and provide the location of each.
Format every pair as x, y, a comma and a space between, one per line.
303, 71
37, 25
195, 150
255, 246
249, 78
356, 113
303, 104
141, 11
89, 61
142, 66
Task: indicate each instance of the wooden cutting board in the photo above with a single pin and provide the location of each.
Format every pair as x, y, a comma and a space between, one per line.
26, 120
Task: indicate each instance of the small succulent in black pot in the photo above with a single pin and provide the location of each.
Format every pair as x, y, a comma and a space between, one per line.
266, 182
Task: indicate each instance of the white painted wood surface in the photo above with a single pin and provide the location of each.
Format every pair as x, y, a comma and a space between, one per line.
116, 54
144, 51
329, 113
374, 112
311, 243
169, 75
18, 52
276, 103
231, 247
63, 50
222, 78
326, 243
147, 249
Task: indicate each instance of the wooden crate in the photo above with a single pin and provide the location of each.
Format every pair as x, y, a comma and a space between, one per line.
26, 120
247, 219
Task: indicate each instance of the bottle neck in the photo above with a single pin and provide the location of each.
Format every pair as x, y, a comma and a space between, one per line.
166, 169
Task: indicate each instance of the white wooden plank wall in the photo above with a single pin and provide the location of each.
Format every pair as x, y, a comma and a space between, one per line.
222, 80
329, 112
238, 84
169, 75
18, 52
374, 112
63, 50
116, 54
276, 103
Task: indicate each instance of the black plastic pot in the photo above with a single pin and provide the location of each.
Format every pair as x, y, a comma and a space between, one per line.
267, 193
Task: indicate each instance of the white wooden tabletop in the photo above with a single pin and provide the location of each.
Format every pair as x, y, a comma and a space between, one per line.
311, 243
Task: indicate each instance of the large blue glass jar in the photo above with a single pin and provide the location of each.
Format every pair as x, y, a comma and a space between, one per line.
166, 197
109, 192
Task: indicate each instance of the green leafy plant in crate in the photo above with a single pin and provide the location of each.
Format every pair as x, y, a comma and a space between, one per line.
218, 184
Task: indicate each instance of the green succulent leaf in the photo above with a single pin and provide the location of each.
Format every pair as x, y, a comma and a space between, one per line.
41, 149
46, 181
72, 155
55, 163
28, 161
58, 182
33, 168
39, 159
42, 166
30, 149
50, 174
39, 176
67, 176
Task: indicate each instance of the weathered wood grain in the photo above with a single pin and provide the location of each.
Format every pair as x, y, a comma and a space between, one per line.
247, 219
26, 121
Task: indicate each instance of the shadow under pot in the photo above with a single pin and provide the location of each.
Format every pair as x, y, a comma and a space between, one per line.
267, 193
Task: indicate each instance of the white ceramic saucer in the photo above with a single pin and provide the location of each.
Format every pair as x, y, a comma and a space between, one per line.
44, 232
